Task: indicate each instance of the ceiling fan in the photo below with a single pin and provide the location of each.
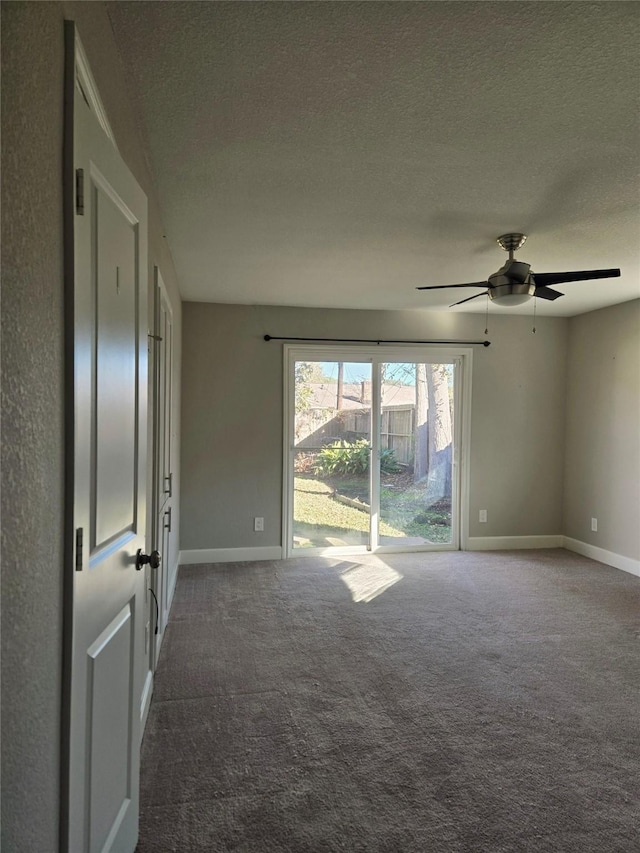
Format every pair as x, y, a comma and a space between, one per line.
515, 283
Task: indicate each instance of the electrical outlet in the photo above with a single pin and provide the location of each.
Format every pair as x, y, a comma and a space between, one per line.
258, 525
482, 516
594, 525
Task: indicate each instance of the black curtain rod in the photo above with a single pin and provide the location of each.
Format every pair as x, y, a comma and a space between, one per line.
373, 341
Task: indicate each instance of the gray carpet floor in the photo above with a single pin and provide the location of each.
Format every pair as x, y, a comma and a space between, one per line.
419, 702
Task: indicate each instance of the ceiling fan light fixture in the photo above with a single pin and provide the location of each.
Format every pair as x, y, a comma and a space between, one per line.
512, 294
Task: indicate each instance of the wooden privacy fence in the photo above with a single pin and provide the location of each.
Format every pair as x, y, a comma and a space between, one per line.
397, 431
319, 427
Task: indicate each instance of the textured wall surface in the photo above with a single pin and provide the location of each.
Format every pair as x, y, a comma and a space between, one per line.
32, 422
232, 415
602, 476
32, 386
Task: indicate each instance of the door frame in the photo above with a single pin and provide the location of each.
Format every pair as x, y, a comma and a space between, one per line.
462, 357
161, 577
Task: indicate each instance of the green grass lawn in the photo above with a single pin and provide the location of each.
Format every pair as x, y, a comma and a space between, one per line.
406, 510
319, 518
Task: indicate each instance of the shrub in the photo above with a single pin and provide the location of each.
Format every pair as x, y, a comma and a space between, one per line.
388, 462
343, 457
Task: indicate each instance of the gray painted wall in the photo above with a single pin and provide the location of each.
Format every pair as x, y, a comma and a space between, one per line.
602, 471
32, 437
32, 389
232, 415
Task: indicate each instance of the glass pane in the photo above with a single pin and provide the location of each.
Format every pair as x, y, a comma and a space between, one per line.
332, 432
416, 443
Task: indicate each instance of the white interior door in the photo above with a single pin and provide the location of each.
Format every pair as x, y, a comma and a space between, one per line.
106, 613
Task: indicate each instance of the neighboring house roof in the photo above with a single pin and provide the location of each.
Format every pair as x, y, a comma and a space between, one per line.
324, 395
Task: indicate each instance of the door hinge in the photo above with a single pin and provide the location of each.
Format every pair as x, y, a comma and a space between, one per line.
80, 192
79, 535
168, 485
167, 520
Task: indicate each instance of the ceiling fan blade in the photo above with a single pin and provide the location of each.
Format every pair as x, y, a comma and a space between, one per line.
446, 286
547, 293
545, 278
469, 298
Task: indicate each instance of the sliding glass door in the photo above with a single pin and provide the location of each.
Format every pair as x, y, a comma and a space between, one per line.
372, 450
416, 453
331, 454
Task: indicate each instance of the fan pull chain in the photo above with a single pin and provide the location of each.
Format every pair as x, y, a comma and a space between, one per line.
535, 305
486, 316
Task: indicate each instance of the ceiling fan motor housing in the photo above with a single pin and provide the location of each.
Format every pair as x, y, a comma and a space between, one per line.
513, 284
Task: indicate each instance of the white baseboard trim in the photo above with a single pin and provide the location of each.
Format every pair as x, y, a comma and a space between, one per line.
509, 543
145, 703
627, 564
172, 587
229, 555
159, 639
474, 543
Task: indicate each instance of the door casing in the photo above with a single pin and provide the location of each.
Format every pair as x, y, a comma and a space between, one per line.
161, 347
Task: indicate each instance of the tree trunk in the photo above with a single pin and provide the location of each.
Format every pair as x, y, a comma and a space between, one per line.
440, 434
421, 445
339, 401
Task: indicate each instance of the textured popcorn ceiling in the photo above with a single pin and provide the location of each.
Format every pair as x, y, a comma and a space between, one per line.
339, 154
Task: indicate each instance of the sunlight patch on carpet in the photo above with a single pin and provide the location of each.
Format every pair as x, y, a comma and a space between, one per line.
366, 582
